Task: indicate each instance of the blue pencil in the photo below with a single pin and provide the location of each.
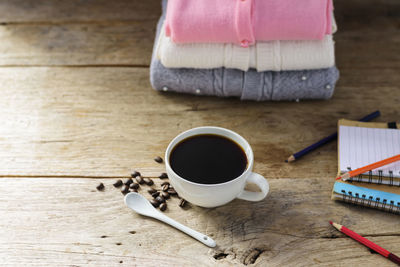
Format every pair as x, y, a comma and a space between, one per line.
327, 139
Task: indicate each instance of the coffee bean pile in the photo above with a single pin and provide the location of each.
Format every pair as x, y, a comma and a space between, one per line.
136, 182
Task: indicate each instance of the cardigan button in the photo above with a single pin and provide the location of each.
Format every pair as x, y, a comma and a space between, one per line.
244, 43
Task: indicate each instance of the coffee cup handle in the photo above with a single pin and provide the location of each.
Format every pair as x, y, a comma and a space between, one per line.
261, 182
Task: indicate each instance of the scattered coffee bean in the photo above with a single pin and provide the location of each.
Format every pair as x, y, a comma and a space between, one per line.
164, 183
151, 191
155, 203
134, 190
134, 174
158, 159
165, 187
100, 187
125, 189
165, 195
182, 203
148, 181
134, 185
171, 191
155, 194
128, 181
118, 183
163, 206
160, 199
163, 175
139, 179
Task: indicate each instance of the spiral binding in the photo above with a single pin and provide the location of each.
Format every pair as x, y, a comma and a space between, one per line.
359, 178
370, 202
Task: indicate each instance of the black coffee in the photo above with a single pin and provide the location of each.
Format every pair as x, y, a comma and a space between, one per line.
208, 159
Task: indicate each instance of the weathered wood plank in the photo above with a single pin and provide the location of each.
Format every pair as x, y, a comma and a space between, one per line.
367, 15
77, 44
61, 221
363, 30
28, 11
131, 44
355, 12
105, 121
366, 49
361, 26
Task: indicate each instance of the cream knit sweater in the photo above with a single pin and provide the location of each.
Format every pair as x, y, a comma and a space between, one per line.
263, 56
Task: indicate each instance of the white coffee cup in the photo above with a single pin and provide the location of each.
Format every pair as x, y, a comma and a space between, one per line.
213, 195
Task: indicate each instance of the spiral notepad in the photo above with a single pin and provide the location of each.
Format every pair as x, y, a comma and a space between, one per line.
363, 144
383, 197
360, 144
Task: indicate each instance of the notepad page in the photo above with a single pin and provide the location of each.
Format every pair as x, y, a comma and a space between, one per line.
360, 146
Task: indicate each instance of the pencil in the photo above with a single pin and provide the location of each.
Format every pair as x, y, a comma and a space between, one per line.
366, 242
369, 167
327, 139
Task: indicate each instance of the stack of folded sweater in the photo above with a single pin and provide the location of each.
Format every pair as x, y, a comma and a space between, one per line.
252, 49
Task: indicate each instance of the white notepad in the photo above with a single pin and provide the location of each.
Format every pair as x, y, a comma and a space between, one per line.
360, 146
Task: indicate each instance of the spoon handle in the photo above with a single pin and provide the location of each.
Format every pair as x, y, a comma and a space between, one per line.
206, 240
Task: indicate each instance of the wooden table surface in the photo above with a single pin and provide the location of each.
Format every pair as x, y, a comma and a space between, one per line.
77, 109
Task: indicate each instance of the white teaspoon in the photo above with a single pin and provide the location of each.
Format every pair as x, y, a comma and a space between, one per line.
141, 205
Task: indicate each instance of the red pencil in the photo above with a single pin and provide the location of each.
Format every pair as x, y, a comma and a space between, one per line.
366, 242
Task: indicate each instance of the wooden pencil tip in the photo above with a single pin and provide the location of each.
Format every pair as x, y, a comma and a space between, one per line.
336, 225
290, 159
345, 176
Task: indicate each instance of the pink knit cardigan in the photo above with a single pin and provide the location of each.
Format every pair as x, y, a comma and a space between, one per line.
247, 21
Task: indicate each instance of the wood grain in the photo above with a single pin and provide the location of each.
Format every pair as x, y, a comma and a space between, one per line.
363, 30
131, 44
104, 122
77, 44
366, 38
350, 14
76, 105
72, 11
68, 222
